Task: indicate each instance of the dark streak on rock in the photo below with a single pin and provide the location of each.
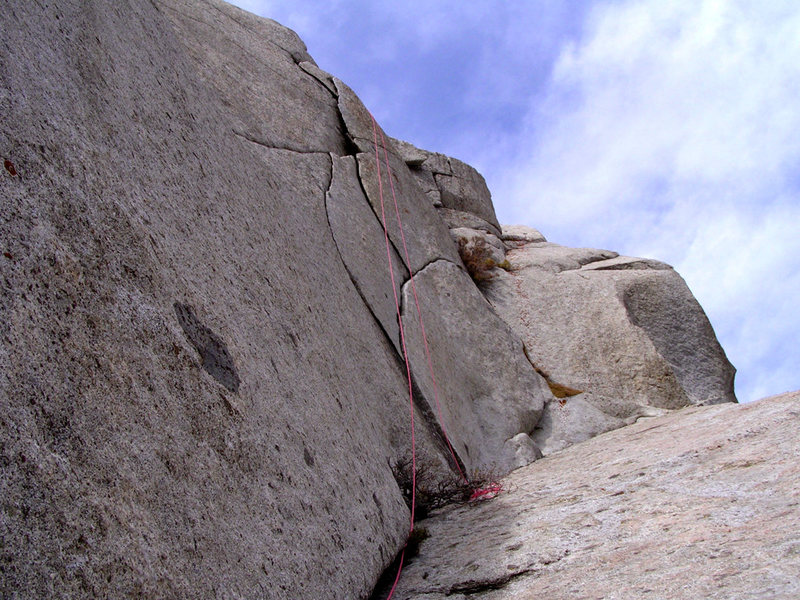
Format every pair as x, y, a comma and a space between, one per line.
217, 361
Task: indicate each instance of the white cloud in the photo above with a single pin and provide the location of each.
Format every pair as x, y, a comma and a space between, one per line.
671, 130
745, 269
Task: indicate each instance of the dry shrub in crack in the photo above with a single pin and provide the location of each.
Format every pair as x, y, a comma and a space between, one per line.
434, 490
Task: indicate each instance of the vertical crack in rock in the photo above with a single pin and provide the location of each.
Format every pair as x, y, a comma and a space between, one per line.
421, 405
353, 150
347, 269
217, 361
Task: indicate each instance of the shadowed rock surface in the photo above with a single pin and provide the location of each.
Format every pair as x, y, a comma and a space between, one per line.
701, 503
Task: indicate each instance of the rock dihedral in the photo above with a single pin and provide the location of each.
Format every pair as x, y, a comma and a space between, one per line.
202, 390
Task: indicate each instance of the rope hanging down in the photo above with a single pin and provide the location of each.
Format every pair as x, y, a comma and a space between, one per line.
402, 345
416, 298
478, 494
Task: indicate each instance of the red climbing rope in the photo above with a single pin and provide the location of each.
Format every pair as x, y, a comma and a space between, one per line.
403, 346
486, 493
419, 310
491, 490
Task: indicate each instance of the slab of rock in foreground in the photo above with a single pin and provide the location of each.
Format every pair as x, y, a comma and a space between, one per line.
701, 503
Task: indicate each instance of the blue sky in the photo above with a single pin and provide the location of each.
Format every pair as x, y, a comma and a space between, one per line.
661, 129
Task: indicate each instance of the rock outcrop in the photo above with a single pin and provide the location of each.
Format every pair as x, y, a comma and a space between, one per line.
617, 337
488, 419
202, 384
700, 503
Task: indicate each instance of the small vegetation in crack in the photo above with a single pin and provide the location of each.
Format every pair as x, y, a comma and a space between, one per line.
477, 257
434, 490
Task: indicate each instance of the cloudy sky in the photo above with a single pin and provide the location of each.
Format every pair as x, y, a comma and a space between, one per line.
661, 129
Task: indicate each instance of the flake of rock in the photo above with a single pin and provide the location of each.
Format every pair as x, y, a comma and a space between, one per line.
465, 189
411, 155
458, 218
487, 390
361, 242
469, 238
633, 340
420, 223
521, 233
554, 258
252, 65
621, 263
323, 77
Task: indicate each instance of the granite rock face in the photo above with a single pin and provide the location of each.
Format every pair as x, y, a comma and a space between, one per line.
202, 384
174, 424
700, 503
201, 392
472, 349
621, 337
449, 183
470, 369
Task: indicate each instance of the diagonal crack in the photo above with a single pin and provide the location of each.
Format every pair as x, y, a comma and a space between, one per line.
255, 140
317, 74
420, 402
472, 587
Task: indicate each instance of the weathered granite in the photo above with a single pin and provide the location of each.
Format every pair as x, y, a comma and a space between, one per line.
194, 399
554, 258
362, 244
253, 70
701, 503
202, 392
467, 238
519, 235
458, 218
573, 419
449, 182
626, 332
487, 390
